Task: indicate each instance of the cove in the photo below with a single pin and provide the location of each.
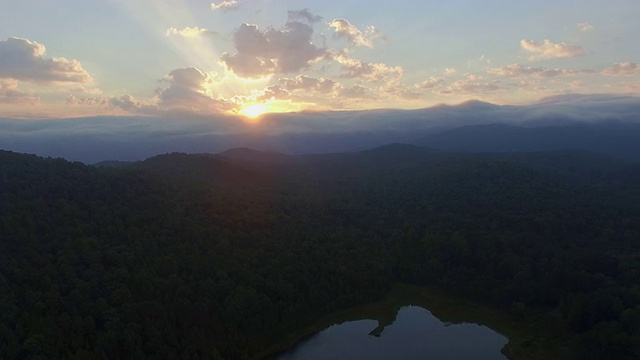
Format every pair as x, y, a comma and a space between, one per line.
531, 338
415, 334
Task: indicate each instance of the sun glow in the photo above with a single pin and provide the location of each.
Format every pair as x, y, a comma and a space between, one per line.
253, 111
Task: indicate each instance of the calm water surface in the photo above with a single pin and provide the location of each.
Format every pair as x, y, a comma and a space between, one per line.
416, 334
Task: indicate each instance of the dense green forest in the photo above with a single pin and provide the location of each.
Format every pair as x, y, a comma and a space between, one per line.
219, 256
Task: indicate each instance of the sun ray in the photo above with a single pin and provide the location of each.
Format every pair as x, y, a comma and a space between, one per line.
157, 16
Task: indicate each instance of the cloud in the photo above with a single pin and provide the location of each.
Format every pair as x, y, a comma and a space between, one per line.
263, 53
355, 92
275, 92
224, 6
189, 32
470, 87
345, 30
308, 84
396, 89
585, 27
449, 71
575, 84
303, 15
23, 59
550, 50
10, 95
81, 89
187, 91
622, 69
518, 70
73, 100
481, 61
353, 68
473, 77
430, 83
128, 103
631, 88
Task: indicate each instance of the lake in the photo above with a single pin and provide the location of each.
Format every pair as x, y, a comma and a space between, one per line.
412, 333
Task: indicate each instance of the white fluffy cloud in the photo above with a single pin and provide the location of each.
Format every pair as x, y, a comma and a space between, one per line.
310, 84
9, 94
550, 50
23, 59
622, 69
398, 90
430, 83
128, 103
518, 70
345, 30
187, 91
470, 87
262, 53
585, 27
87, 101
189, 32
275, 92
224, 5
353, 68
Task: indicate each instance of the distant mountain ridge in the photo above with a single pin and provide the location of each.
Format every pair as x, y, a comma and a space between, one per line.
621, 141
96, 139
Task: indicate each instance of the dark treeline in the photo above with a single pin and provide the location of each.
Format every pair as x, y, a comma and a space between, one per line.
221, 256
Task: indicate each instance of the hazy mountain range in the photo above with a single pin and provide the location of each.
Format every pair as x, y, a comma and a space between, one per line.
601, 123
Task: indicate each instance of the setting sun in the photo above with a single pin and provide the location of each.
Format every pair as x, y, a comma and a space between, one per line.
253, 111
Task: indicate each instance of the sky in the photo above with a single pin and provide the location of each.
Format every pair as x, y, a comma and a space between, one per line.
79, 58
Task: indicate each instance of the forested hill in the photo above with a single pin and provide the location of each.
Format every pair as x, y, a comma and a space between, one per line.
221, 256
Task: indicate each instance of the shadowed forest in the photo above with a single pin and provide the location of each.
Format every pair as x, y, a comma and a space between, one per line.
220, 256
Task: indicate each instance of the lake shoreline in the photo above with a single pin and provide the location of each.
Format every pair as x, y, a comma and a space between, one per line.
540, 339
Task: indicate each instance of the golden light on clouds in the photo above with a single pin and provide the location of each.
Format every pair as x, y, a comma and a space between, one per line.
248, 58
253, 110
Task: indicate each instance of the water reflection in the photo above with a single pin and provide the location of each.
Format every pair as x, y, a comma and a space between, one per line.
416, 334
